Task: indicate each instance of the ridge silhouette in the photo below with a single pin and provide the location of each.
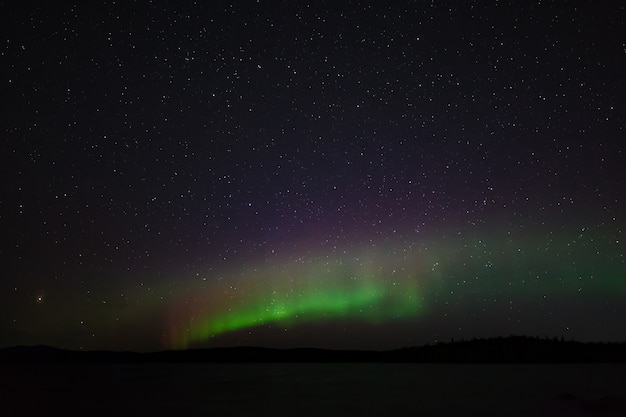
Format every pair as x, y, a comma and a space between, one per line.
512, 349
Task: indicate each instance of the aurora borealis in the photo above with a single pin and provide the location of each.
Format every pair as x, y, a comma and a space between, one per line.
321, 291
322, 174
514, 275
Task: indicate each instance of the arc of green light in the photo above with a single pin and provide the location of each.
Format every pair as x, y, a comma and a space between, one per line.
370, 301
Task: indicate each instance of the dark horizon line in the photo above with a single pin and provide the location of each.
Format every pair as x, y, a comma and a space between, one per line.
509, 349
452, 340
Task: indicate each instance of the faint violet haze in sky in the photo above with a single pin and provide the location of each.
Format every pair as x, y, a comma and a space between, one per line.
330, 174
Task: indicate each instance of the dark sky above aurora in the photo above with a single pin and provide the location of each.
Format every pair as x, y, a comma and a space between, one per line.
326, 174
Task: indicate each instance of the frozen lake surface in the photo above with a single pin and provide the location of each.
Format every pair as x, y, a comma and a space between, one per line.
314, 389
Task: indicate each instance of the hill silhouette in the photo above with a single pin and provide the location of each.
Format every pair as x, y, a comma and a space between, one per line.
512, 349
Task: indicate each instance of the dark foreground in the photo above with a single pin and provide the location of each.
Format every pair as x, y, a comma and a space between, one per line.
312, 389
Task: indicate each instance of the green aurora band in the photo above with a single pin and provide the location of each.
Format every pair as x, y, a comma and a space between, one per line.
393, 281
371, 302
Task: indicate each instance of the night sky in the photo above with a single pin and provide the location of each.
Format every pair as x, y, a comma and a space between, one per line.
337, 174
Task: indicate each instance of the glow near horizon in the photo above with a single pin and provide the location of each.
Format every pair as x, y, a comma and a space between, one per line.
390, 283
364, 301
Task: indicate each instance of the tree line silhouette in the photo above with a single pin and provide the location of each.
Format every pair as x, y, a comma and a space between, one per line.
511, 349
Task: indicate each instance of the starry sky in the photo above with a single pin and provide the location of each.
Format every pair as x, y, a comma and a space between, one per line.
336, 174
